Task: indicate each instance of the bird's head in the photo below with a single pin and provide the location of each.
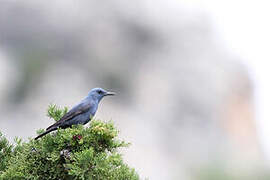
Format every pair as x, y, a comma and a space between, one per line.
99, 93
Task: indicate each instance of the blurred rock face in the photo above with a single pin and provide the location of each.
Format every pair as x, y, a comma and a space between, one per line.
182, 101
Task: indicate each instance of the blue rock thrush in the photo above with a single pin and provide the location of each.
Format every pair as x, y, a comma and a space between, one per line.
82, 113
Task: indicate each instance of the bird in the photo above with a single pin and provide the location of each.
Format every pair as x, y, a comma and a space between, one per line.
81, 113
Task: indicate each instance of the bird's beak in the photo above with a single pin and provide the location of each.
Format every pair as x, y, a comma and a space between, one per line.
110, 93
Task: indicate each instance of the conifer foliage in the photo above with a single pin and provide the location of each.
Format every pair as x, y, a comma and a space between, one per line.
73, 153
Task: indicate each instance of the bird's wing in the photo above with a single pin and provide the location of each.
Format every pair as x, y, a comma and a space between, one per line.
75, 111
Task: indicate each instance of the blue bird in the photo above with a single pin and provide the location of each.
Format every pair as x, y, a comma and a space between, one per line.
82, 113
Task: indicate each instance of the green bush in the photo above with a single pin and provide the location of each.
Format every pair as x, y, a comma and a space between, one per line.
73, 153
5, 152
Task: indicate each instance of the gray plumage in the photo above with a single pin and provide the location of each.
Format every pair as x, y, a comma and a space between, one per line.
82, 113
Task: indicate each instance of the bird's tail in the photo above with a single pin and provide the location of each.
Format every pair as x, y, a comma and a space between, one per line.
46, 132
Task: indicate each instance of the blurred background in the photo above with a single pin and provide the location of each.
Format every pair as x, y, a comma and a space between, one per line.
191, 78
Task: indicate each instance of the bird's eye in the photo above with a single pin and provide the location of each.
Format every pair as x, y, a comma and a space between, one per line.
99, 92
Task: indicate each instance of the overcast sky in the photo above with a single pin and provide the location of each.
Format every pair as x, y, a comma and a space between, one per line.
244, 26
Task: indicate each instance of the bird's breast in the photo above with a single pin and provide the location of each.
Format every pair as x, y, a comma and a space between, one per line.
93, 109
